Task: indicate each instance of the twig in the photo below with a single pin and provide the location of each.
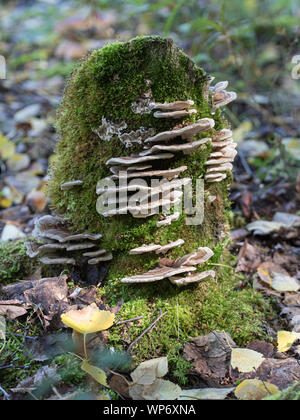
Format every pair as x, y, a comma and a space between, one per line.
31, 337
255, 370
6, 395
129, 320
245, 164
177, 313
146, 330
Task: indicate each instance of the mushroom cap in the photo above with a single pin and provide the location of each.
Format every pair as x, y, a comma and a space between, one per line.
131, 160
70, 184
186, 147
188, 131
173, 106
175, 114
192, 278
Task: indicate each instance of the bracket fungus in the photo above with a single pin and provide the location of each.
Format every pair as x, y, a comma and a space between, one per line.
55, 243
141, 126
171, 268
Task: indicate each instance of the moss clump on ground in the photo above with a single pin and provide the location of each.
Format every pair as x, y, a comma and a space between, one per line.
15, 359
292, 393
14, 263
69, 368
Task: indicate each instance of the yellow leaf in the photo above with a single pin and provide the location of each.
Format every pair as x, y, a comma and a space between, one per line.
88, 320
246, 360
254, 389
243, 128
5, 202
285, 340
7, 147
98, 374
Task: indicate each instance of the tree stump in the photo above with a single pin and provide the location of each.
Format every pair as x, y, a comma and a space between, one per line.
142, 110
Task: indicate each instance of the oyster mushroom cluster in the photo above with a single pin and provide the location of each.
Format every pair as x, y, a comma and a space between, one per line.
55, 243
220, 95
143, 165
222, 156
180, 271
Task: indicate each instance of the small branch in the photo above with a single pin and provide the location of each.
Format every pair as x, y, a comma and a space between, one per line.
6, 395
129, 320
146, 330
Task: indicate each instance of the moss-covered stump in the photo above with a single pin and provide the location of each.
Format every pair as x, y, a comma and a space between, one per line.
15, 264
141, 106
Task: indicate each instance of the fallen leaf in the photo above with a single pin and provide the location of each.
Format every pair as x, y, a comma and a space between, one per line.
246, 360
162, 390
5, 203
98, 374
277, 278
266, 349
205, 394
12, 308
88, 320
254, 148
284, 283
10, 233
264, 227
285, 340
18, 162
280, 372
147, 383
119, 385
24, 181
240, 132
249, 258
148, 371
292, 146
288, 219
210, 354
7, 148
254, 389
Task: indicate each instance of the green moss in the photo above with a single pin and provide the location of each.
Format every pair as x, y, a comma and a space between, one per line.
15, 359
292, 393
69, 368
214, 304
14, 263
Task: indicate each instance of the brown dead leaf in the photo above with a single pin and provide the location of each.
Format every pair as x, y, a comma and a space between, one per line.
280, 372
119, 385
49, 293
246, 202
249, 258
12, 308
292, 299
267, 349
210, 354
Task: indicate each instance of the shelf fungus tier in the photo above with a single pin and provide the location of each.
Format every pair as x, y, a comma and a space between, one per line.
144, 159
56, 244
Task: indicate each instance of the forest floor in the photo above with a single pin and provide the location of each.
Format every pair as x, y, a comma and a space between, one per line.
264, 235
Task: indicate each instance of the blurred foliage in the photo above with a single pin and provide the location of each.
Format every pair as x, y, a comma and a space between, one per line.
252, 42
